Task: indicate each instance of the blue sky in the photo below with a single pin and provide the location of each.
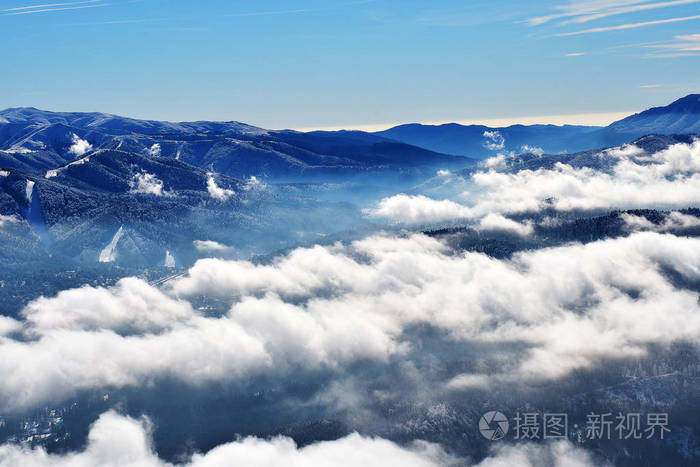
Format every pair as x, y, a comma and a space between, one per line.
344, 63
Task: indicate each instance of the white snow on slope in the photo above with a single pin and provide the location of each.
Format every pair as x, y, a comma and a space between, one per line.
29, 190
169, 259
54, 172
109, 254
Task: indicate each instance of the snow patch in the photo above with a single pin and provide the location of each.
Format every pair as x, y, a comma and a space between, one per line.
54, 172
169, 259
16, 150
109, 253
29, 190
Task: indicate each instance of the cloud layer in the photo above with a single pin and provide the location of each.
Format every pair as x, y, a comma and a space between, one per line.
568, 308
669, 179
119, 441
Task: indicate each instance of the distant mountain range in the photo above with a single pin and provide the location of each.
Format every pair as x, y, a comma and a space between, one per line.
76, 179
36, 141
478, 141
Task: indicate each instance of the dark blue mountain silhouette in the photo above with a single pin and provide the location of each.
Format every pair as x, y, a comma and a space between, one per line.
680, 117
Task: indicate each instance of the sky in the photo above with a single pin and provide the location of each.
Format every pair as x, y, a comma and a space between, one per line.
367, 64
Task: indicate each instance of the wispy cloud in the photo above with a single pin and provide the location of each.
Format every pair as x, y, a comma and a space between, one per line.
575, 54
628, 26
579, 8
681, 46
49, 7
650, 86
628, 9
583, 12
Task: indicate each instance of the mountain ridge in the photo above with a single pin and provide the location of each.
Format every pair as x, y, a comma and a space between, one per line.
682, 116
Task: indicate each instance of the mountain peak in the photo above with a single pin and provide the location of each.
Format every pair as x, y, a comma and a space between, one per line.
687, 104
680, 116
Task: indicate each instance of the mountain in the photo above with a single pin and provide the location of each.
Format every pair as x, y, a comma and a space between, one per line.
159, 204
680, 117
477, 141
37, 141
600, 159
113, 213
93, 196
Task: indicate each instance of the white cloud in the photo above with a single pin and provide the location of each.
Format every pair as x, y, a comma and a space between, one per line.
327, 307
9, 325
130, 306
79, 146
673, 221
629, 26
585, 11
494, 140
222, 194
46, 8
253, 183
418, 209
498, 222
681, 46
154, 150
558, 454
115, 440
7, 220
495, 162
148, 184
669, 179
212, 247
532, 149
